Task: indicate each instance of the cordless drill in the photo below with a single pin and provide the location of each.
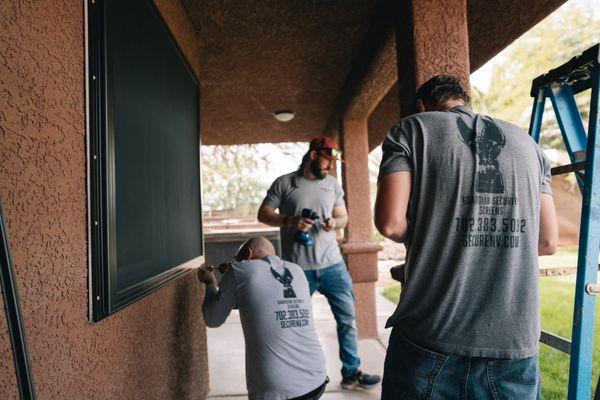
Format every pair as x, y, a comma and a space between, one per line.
301, 237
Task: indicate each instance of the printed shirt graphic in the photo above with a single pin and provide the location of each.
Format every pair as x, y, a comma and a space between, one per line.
486, 140
284, 358
286, 280
290, 194
471, 268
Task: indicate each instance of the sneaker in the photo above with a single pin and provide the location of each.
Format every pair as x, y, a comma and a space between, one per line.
360, 380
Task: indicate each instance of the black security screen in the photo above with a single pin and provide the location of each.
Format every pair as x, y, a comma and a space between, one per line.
144, 155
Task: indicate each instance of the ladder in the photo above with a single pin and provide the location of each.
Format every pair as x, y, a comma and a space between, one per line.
561, 85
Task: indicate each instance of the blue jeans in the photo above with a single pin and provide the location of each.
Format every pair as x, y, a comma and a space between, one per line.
335, 284
415, 372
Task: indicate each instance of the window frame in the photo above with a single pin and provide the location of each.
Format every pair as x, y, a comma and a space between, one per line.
102, 256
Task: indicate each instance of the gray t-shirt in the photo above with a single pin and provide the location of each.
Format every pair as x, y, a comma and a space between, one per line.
474, 212
284, 358
290, 194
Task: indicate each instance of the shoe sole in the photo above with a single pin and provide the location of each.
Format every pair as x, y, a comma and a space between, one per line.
358, 386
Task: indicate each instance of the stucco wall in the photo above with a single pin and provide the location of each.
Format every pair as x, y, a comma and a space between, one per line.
153, 349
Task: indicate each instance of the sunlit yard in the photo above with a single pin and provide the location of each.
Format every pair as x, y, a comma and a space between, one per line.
557, 317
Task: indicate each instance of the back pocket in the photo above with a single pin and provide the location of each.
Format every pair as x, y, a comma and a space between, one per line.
418, 368
514, 379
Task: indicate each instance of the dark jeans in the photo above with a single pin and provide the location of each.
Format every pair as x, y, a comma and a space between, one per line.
414, 372
335, 284
314, 394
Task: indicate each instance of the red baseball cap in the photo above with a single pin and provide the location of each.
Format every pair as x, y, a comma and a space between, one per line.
326, 147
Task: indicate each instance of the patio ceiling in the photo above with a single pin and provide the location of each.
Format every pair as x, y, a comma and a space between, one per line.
259, 56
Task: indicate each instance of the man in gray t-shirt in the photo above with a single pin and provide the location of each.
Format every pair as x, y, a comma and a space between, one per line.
284, 359
311, 187
291, 194
470, 197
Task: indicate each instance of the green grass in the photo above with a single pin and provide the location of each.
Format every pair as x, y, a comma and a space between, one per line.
557, 317
392, 293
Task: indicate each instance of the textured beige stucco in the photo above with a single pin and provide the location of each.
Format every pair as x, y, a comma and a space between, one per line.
361, 265
356, 174
432, 38
366, 315
153, 349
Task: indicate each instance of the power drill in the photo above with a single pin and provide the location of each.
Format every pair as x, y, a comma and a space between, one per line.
301, 237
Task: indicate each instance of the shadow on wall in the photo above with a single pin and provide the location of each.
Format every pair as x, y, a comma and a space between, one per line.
164, 354
183, 338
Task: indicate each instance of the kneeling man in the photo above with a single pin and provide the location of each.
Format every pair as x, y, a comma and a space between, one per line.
284, 359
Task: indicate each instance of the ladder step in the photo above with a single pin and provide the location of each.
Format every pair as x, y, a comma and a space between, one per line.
565, 169
556, 342
576, 72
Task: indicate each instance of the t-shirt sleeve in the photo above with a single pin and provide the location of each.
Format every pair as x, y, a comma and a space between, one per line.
396, 152
217, 305
274, 196
339, 195
546, 174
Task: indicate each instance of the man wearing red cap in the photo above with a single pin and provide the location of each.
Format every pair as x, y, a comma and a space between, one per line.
311, 187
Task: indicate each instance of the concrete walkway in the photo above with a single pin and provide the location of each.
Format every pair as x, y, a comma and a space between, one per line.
226, 353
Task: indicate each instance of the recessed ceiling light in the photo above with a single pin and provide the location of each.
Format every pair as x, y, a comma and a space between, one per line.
284, 115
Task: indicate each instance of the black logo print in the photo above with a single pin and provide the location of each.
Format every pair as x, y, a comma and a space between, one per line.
486, 141
286, 280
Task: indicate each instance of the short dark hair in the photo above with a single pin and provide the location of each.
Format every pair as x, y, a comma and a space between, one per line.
441, 88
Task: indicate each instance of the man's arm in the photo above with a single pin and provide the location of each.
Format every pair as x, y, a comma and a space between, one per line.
338, 220
218, 302
548, 226
267, 215
391, 205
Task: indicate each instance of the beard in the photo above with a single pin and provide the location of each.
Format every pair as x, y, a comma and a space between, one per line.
316, 170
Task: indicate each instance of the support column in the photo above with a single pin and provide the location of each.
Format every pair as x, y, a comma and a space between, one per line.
432, 38
359, 250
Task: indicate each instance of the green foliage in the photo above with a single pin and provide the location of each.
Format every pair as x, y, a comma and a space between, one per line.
229, 178
236, 178
562, 35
